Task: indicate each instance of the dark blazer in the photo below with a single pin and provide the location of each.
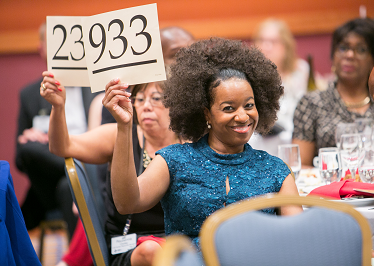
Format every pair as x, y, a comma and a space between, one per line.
33, 104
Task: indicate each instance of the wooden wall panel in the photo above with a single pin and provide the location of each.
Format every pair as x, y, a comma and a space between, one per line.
20, 19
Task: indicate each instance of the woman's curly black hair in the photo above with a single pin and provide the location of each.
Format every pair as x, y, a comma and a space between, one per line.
194, 76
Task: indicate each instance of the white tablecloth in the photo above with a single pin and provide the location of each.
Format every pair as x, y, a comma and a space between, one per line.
309, 179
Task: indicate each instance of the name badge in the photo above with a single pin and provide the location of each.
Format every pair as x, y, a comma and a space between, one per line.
121, 244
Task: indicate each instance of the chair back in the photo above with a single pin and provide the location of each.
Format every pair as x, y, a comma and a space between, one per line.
328, 233
16, 248
84, 198
178, 250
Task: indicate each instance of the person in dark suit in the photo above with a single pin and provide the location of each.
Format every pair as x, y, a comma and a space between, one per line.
44, 169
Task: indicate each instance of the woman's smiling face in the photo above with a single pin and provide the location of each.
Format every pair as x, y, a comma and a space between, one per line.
233, 116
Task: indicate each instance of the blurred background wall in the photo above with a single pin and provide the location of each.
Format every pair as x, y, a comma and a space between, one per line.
311, 21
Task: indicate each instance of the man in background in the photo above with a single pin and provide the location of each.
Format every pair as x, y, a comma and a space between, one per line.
44, 169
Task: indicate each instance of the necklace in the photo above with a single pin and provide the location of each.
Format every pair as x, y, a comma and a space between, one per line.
146, 159
358, 104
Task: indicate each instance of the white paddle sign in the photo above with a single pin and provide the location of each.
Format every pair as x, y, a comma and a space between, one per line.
123, 44
65, 50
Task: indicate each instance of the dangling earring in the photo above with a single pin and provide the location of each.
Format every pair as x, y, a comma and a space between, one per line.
208, 125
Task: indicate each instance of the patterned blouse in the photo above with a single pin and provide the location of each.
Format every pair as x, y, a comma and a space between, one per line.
317, 115
198, 182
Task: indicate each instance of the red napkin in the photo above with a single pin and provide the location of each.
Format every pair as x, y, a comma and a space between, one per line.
341, 189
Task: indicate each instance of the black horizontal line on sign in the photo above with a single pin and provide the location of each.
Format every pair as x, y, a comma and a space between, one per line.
70, 68
125, 65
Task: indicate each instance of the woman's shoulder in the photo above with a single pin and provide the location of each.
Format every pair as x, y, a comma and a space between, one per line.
177, 148
265, 161
266, 157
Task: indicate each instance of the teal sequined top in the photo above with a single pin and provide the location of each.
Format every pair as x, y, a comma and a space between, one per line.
198, 182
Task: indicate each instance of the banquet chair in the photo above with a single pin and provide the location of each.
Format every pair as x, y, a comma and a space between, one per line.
88, 208
16, 248
326, 233
178, 250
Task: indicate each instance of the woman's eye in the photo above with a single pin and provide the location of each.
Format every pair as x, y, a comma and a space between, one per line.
227, 108
249, 105
139, 99
156, 99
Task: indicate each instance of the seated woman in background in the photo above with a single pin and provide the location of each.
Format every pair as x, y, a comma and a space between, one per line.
96, 146
219, 92
318, 113
275, 40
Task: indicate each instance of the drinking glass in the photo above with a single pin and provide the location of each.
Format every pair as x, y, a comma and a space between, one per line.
330, 166
351, 151
290, 154
365, 129
366, 167
344, 128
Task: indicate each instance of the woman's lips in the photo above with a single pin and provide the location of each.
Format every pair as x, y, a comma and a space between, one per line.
241, 129
348, 68
147, 120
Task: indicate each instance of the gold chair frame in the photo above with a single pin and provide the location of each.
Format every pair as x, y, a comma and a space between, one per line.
213, 221
171, 249
84, 214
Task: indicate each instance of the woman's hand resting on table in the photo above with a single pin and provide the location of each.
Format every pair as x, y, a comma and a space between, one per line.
118, 101
51, 90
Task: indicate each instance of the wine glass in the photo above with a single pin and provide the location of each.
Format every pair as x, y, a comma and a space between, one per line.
344, 128
330, 166
365, 129
290, 154
366, 167
351, 151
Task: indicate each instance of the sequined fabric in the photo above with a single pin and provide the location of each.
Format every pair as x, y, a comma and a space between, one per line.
198, 182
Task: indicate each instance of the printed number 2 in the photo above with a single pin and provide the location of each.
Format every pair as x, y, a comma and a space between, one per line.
102, 43
57, 57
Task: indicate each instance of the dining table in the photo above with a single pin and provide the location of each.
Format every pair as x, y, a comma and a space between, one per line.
309, 179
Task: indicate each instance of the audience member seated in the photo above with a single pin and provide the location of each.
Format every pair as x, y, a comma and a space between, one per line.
276, 41
16, 247
319, 112
44, 169
172, 39
219, 92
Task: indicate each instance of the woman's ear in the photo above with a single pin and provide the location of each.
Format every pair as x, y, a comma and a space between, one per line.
207, 114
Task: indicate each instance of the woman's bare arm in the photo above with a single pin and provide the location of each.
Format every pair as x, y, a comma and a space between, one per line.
131, 194
95, 146
306, 152
289, 188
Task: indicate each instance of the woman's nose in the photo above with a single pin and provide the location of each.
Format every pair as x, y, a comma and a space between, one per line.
241, 116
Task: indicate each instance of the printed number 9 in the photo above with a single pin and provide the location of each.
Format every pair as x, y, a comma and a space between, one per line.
102, 42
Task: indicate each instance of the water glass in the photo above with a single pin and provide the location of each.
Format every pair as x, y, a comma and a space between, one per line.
330, 166
344, 128
351, 151
290, 154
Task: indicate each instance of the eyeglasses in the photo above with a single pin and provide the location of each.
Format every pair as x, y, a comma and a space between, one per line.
155, 99
359, 51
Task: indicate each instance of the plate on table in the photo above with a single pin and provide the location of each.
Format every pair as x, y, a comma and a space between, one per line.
357, 202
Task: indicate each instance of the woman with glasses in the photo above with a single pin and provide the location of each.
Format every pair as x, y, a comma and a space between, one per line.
318, 113
150, 133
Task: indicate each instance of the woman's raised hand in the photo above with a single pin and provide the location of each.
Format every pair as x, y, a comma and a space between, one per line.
117, 101
51, 90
